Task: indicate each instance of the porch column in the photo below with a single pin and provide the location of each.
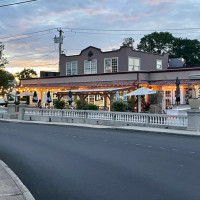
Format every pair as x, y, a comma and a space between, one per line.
139, 103
105, 100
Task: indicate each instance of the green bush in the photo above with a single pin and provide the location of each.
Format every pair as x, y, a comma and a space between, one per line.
81, 105
85, 106
59, 104
119, 106
11, 98
156, 98
90, 106
23, 99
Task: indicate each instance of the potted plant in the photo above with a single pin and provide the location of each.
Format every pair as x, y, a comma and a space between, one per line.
194, 103
23, 100
11, 100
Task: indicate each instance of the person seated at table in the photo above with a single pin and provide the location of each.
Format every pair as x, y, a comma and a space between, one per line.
39, 104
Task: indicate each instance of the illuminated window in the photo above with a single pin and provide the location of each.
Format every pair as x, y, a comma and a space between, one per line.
133, 64
110, 65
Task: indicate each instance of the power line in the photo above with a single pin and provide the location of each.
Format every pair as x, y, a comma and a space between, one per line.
12, 4
29, 37
30, 33
133, 30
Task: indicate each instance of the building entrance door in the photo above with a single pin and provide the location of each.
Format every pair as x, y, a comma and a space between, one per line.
169, 98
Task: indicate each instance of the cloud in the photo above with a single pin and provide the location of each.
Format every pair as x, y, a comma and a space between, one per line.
158, 1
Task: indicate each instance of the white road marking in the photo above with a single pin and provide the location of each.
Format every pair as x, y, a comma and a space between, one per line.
161, 147
138, 144
174, 149
192, 152
150, 146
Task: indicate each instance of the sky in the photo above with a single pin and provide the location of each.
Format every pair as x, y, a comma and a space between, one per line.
27, 30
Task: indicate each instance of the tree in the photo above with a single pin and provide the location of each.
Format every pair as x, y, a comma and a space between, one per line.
128, 42
6, 81
26, 73
6, 78
187, 49
157, 43
164, 42
3, 60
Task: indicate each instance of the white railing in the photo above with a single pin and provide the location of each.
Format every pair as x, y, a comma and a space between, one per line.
3, 109
141, 118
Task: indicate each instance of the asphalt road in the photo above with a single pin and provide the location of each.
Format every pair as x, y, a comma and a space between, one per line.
75, 163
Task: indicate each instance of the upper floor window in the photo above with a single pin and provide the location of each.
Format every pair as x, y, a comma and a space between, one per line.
72, 68
133, 64
110, 65
90, 66
158, 64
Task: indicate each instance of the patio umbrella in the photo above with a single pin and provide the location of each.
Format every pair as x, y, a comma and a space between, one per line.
45, 98
5, 97
124, 98
139, 92
25, 94
117, 98
2, 100
35, 98
177, 91
48, 97
70, 99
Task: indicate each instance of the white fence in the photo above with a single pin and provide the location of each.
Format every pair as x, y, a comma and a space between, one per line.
138, 118
3, 109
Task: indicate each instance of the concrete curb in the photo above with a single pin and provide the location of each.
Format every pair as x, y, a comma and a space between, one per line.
25, 192
128, 128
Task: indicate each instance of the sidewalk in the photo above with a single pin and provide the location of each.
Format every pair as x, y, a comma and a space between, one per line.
130, 128
11, 188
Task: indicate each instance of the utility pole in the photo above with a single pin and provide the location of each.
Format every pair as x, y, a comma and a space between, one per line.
59, 40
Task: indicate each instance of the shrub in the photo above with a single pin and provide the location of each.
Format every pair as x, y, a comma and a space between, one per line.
80, 105
119, 106
59, 104
11, 99
23, 99
156, 98
90, 106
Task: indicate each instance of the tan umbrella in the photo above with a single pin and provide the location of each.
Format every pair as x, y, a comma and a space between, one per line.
25, 94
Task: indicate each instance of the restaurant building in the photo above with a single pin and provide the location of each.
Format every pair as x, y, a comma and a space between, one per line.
96, 76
